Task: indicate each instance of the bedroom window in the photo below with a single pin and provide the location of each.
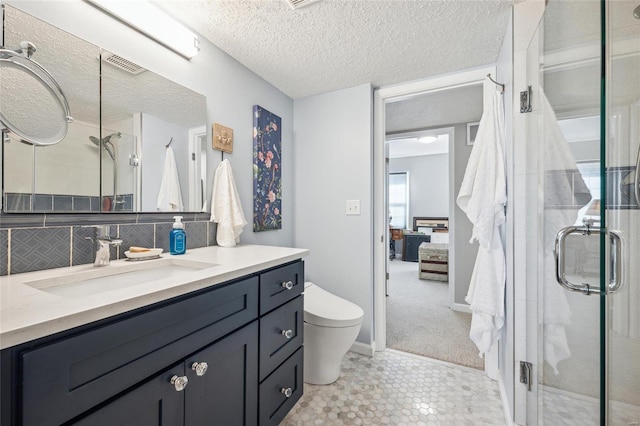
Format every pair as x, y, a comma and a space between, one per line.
399, 199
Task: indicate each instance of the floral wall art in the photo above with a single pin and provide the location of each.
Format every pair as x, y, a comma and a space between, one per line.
267, 172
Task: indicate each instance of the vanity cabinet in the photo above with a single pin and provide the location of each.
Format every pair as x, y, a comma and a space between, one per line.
119, 370
281, 338
225, 392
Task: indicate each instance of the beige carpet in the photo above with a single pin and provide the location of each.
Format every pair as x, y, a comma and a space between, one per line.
419, 320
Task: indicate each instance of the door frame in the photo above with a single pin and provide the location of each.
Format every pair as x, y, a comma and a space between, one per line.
197, 135
380, 219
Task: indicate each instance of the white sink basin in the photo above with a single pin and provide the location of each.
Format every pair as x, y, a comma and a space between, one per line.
107, 278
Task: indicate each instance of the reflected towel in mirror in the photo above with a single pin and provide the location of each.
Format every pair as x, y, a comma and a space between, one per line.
169, 196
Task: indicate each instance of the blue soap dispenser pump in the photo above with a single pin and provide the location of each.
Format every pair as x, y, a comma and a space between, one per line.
177, 237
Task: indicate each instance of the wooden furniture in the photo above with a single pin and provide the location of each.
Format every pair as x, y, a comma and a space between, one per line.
434, 262
396, 234
230, 353
436, 224
410, 245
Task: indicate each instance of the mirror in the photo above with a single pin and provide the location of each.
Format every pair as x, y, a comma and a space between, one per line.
112, 157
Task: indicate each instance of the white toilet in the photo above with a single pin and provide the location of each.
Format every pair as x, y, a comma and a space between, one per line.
331, 325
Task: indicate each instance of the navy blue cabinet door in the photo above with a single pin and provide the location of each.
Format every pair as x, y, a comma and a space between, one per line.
227, 393
154, 403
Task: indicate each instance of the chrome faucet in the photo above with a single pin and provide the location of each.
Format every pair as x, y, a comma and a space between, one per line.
102, 243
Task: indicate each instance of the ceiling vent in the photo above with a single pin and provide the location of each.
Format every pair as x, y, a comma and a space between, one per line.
298, 4
123, 64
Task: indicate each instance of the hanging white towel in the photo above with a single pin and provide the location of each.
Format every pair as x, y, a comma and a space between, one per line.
482, 196
226, 209
564, 194
169, 196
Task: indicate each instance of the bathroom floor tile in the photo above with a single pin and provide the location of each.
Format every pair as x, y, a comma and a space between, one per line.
396, 388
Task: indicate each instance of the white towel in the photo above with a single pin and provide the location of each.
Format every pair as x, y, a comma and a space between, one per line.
482, 196
564, 194
226, 209
169, 196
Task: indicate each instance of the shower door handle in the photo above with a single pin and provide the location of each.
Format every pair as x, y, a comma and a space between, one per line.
615, 282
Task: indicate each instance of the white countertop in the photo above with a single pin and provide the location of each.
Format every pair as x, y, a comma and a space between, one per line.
27, 313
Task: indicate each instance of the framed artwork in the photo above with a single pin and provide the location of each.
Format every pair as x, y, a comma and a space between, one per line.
267, 170
472, 132
222, 138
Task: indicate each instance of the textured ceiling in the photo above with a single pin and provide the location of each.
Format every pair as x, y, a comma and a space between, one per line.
332, 45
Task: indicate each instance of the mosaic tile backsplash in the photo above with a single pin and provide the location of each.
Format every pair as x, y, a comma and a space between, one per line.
34, 243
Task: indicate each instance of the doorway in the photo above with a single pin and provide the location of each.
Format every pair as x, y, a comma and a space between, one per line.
437, 87
419, 317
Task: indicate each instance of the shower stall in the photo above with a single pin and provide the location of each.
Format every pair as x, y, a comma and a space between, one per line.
583, 133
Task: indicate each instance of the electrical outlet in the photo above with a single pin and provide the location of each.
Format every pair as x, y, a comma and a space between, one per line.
353, 207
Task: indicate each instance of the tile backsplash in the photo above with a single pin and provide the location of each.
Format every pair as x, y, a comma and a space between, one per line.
37, 242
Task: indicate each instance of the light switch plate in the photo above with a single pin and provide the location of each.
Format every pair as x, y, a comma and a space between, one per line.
353, 207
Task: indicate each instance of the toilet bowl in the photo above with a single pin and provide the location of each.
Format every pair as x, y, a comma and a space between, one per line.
331, 325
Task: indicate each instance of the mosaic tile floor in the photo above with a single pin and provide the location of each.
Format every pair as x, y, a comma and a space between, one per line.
569, 409
395, 388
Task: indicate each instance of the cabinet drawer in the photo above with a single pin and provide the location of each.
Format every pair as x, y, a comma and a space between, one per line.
63, 379
275, 347
274, 404
442, 267
273, 285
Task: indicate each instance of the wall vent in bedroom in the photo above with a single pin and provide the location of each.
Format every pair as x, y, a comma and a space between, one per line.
122, 63
297, 4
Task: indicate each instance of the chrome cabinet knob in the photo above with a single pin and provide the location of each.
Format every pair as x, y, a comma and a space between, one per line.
200, 368
286, 392
288, 285
287, 333
179, 382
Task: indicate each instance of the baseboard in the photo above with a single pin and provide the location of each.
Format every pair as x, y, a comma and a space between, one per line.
461, 307
506, 408
362, 349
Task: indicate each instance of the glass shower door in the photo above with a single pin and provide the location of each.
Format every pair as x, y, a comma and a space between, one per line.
621, 317
586, 124
565, 127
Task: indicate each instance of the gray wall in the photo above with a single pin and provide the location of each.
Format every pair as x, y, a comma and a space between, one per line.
428, 184
231, 90
465, 253
333, 163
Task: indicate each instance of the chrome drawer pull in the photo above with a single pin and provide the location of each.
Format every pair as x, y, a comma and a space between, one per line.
179, 382
200, 368
288, 285
287, 333
286, 392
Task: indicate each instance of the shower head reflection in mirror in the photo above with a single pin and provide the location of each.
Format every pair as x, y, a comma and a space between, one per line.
106, 143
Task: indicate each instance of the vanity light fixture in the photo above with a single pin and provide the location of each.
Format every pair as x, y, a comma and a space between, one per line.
156, 24
427, 139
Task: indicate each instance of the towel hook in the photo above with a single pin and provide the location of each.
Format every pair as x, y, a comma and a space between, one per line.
495, 82
171, 140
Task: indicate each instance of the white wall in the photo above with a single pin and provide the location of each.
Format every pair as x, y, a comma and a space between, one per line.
231, 90
506, 356
428, 184
332, 164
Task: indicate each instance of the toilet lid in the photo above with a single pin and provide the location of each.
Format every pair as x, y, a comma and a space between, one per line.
325, 309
